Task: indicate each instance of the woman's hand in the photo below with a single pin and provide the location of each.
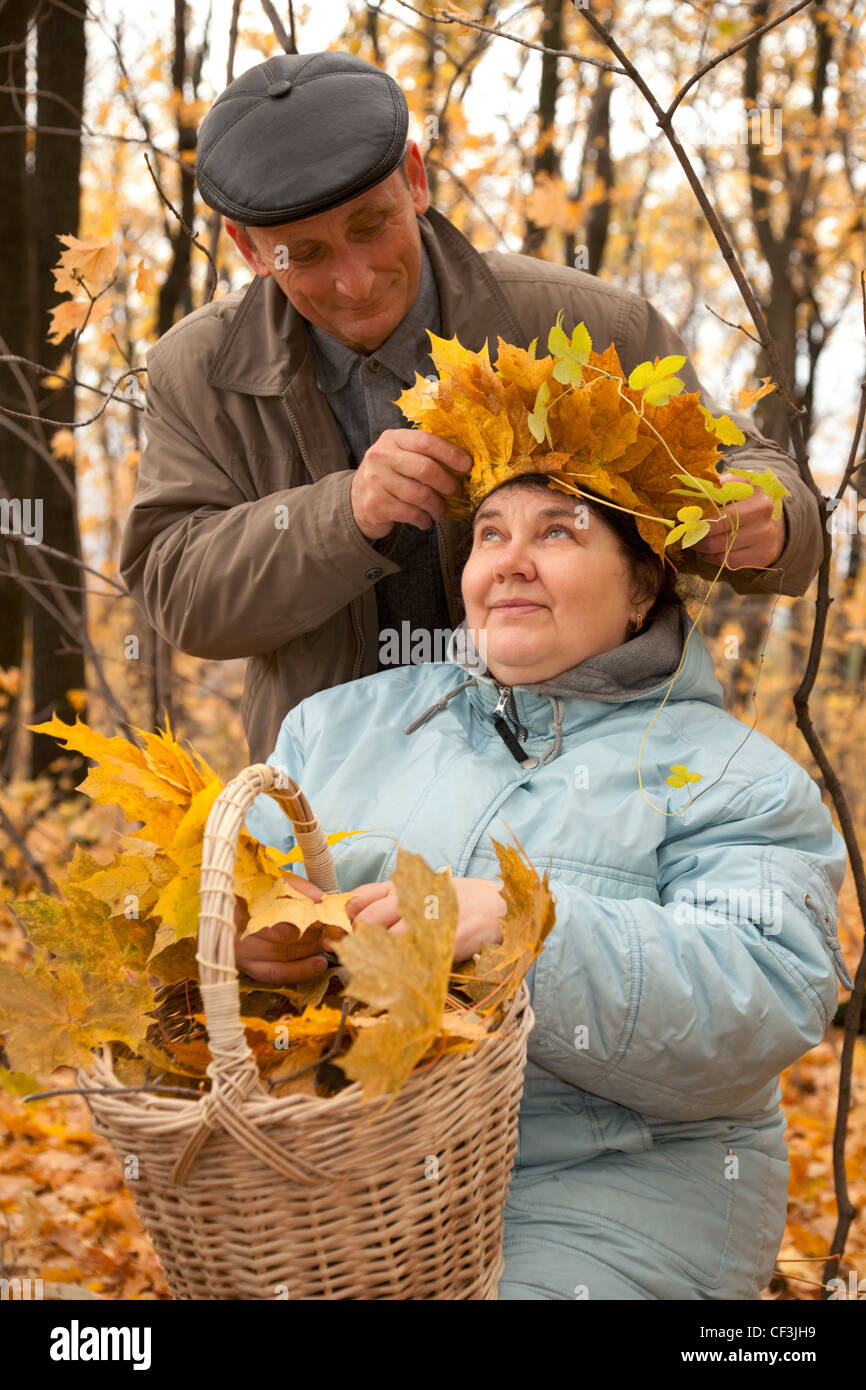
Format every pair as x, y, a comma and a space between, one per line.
275, 955
480, 906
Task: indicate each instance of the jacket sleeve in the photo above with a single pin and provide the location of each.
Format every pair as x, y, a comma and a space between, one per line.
650, 335
687, 1007
219, 575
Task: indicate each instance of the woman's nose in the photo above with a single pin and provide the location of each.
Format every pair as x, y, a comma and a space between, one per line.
512, 559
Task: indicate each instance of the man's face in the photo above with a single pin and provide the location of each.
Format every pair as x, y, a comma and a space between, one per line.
354, 271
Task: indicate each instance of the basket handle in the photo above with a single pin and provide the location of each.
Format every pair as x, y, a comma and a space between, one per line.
233, 1070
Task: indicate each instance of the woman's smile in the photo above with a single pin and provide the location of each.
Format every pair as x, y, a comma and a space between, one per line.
517, 608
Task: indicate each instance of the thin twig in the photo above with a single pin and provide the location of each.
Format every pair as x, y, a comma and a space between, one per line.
194, 239
44, 881
188, 1094
442, 17
68, 559
735, 48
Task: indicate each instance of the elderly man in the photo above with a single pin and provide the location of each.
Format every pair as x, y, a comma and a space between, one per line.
284, 512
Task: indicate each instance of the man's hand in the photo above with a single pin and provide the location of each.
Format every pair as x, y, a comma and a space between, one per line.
401, 478
275, 955
759, 541
480, 906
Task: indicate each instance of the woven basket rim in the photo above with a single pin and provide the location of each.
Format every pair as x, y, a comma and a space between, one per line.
310, 1107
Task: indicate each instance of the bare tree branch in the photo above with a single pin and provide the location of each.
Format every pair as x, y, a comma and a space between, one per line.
443, 17
195, 241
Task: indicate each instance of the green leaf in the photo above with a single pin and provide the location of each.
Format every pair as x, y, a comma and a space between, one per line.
769, 485
572, 353
723, 428
18, 1083
658, 382
692, 529
537, 420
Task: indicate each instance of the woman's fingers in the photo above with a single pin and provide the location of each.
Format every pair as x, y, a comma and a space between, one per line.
366, 894
303, 885
283, 942
384, 910
277, 972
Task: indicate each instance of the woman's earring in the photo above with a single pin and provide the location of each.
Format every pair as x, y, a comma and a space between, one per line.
636, 623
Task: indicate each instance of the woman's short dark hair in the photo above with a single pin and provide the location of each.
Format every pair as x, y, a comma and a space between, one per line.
647, 570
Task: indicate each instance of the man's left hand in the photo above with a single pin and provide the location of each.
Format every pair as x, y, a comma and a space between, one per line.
759, 541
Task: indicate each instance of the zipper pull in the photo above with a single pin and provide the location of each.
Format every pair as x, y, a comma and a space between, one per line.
506, 694
502, 701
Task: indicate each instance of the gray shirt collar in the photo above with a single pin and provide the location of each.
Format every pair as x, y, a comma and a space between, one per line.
334, 361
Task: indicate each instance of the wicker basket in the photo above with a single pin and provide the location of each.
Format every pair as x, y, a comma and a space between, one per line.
249, 1196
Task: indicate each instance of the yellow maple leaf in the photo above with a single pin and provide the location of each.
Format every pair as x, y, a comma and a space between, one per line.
53, 1013
747, 397
54, 381
94, 258
70, 316
145, 279
65, 282
548, 203
283, 903
63, 444
529, 918
517, 366
407, 975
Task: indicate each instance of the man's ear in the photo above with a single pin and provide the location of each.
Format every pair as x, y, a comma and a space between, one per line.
417, 176
246, 248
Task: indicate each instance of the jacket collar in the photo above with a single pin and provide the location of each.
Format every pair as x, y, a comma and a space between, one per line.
643, 665
266, 344
647, 665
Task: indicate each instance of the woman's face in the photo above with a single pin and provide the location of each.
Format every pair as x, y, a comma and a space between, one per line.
546, 584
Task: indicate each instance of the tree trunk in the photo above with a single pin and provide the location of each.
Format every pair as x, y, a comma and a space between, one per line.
18, 338
546, 159
57, 665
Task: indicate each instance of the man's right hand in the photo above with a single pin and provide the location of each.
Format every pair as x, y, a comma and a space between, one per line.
401, 478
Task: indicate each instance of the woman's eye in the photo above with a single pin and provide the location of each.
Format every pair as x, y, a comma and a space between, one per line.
564, 529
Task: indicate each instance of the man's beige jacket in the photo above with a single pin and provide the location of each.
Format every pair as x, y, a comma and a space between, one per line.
241, 540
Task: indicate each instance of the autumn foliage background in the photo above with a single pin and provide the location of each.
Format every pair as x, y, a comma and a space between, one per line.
558, 159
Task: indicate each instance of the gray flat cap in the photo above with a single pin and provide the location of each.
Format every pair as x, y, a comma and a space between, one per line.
299, 134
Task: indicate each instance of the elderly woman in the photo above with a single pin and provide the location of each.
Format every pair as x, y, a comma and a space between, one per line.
693, 952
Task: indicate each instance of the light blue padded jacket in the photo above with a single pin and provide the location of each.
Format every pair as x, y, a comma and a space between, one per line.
693, 953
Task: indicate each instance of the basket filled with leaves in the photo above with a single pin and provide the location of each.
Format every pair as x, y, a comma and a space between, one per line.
351, 1137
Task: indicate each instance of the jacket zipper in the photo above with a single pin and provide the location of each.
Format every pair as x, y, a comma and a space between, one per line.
355, 604
506, 703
